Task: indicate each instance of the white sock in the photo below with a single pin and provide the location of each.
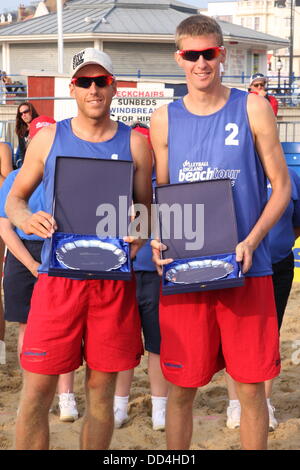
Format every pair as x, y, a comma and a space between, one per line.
158, 403
2, 352
234, 403
121, 403
60, 395
268, 401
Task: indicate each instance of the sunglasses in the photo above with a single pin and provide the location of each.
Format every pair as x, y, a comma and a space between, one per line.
100, 81
256, 85
208, 54
25, 112
139, 124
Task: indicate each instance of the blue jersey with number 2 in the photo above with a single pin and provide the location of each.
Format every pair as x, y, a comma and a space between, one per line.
220, 145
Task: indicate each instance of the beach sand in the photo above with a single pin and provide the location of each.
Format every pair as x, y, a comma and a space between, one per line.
210, 405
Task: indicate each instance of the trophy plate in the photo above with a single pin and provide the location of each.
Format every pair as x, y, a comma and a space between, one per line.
199, 271
91, 255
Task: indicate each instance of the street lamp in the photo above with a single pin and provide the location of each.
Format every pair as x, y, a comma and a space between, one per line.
293, 4
60, 38
278, 67
291, 48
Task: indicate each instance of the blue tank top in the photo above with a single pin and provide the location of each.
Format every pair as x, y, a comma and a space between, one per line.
220, 145
143, 260
67, 144
282, 235
35, 203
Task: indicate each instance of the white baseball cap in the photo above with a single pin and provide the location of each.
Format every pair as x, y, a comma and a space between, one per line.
91, 56
258, 76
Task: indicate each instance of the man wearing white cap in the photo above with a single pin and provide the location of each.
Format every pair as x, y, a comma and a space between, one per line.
67, 313
258, 85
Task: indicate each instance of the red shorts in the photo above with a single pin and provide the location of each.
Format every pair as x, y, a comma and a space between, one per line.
71, 319
236, 328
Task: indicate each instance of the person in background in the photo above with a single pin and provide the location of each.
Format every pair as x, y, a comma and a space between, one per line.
11, 87
5, 169
5, 161
7, 81
26, 112
258, 85
148, 286
2, 321
37, 124
281, 238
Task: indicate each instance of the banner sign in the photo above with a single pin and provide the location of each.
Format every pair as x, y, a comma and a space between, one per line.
137, 104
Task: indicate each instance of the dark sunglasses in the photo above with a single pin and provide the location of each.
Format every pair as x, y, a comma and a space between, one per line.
256, 85
208, 54
139, 124
100, 81
25, 112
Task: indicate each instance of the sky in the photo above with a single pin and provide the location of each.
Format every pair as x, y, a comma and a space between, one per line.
13, 4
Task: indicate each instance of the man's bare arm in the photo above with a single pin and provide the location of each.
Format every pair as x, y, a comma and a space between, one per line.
159, 140
5, 161
142, 183
26, 182
265, 134
16, 246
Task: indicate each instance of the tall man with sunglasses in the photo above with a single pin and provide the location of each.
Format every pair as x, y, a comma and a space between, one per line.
212, 131
66, 314
258, 85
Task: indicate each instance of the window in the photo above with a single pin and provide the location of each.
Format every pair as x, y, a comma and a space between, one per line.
280, 3
256, 23
255, 67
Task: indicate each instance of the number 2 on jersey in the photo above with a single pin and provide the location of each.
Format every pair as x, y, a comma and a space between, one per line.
234, 130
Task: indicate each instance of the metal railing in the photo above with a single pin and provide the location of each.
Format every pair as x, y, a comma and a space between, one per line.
287, 97
289, 131
14, 90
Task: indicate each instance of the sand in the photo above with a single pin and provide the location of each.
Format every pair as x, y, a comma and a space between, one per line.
209, 408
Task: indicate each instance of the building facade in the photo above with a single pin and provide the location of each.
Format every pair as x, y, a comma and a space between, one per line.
274, 17
139, 36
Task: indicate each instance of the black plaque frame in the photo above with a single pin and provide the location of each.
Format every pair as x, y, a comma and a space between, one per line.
220, 229
80, 185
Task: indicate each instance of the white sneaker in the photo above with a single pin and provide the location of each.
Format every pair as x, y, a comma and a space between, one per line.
2, 352
67, 406
233, 416
121, 417
159, 419
273, 423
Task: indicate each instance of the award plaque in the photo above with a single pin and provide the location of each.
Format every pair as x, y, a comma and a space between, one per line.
86, 192
197, 223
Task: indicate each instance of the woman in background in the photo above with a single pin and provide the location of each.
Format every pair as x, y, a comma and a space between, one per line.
26, 112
